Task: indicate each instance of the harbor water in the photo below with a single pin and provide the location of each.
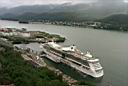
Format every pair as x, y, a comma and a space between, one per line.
110, 47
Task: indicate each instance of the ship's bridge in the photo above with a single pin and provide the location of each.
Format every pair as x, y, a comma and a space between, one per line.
93, 60
54, 45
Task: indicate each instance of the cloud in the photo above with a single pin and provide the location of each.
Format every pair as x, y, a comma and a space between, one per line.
13, 3
111, 1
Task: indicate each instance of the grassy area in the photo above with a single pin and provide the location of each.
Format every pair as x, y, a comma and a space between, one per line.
50, 37
45, 37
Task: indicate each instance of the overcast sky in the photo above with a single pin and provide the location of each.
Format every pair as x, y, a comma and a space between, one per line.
13, 3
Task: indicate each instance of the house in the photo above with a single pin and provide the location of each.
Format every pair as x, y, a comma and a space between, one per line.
32, 48
25, 34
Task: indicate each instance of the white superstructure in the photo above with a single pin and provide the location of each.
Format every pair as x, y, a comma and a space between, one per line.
74, 58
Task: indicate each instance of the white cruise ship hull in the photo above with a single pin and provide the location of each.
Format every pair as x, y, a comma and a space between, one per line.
84, 71
89, 69
52, 57
56, 59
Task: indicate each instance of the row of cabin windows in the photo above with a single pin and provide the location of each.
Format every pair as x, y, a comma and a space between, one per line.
64, 54
85, 67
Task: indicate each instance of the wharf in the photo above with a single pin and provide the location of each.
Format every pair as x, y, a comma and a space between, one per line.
8, 85
66, 78
39, 62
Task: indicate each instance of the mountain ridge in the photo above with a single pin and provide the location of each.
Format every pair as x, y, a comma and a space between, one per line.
83, 11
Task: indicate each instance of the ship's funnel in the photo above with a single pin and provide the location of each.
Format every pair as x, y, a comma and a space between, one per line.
88, 55
73, 47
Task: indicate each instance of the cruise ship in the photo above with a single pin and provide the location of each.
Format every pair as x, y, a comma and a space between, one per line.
73, 57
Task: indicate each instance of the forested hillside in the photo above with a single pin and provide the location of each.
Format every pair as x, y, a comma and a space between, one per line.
14, 70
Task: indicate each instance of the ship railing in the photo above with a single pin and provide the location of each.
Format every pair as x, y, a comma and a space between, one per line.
101, 68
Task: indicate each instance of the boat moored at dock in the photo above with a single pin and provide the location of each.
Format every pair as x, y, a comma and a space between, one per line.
73, 57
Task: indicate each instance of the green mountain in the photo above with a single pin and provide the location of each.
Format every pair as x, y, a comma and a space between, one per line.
58, 16
118, 22
118, 18
65, 11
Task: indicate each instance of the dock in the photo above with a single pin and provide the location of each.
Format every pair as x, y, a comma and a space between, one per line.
65, 78
8, 85
39, 62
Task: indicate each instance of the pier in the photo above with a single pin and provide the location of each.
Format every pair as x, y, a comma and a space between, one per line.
66, 78
37, 61
8, 85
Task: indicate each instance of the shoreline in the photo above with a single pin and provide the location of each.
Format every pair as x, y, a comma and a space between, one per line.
20, 36
65, 25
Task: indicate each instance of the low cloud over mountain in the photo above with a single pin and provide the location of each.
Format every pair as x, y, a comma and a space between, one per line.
89, 9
